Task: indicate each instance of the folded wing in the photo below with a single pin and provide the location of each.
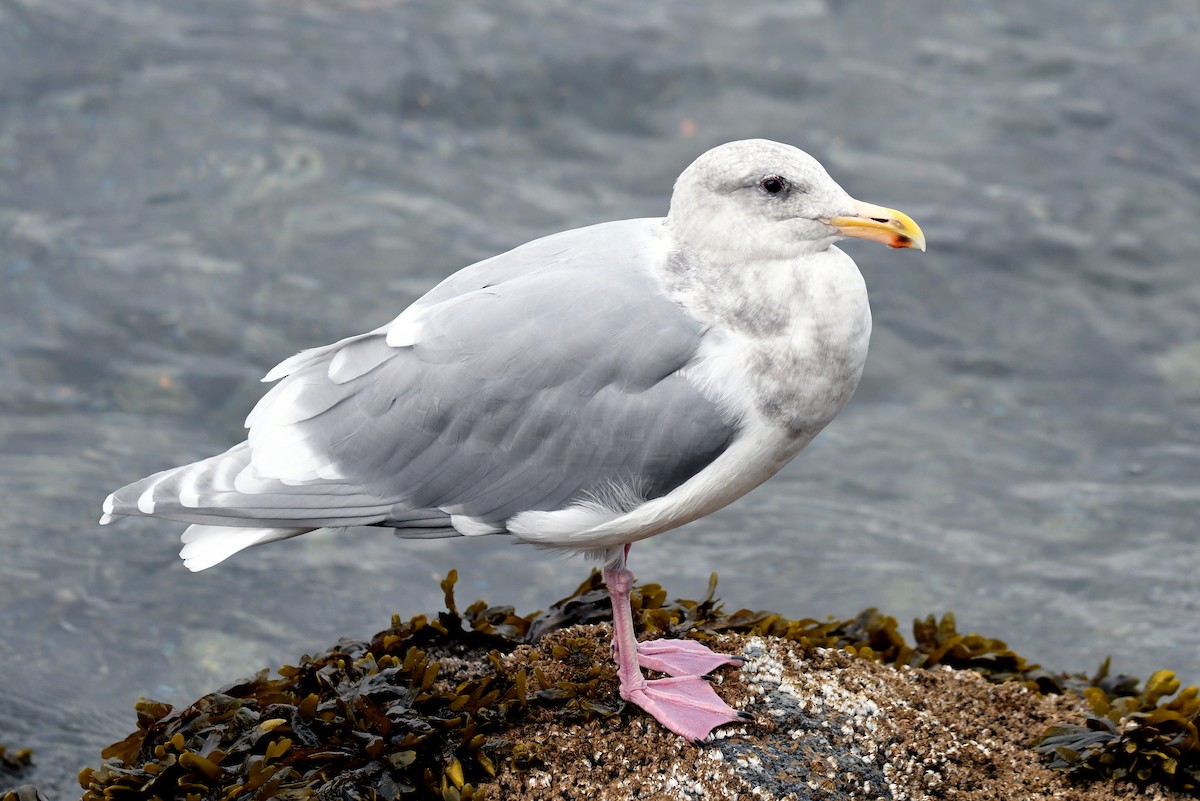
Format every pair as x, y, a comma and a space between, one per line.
545, 377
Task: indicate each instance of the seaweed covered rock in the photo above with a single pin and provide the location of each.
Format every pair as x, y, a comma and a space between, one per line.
486, 703
1145, 734
12, 762
25, 792
419, 709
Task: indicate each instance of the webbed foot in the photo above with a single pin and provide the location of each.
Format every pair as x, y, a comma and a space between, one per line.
687, 705
682, 657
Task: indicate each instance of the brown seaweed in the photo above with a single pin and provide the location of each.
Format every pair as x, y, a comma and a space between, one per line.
1138, 735
12, 761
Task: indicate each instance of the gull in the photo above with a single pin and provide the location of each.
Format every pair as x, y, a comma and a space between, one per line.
581, 392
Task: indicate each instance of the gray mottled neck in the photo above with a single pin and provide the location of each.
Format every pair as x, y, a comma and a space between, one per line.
804, 325
756, 299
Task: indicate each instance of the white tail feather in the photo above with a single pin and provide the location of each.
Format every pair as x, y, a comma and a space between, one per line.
205, 546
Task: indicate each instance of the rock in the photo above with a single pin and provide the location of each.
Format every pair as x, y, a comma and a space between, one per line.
830, 725
485, 703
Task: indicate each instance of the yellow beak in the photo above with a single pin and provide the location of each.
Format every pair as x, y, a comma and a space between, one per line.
893, 228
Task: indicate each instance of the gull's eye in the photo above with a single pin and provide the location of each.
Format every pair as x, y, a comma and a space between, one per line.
774, 185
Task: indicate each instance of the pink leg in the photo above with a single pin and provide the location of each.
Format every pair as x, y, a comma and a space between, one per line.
686, 704
680, 657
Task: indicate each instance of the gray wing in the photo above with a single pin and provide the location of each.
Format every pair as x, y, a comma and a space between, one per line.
542, 377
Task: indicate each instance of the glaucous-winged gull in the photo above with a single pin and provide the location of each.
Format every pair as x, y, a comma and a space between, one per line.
583, 391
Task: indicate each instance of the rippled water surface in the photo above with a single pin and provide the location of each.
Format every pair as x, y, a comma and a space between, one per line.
191, 192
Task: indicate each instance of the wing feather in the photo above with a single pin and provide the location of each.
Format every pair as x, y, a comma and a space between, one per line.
544, 377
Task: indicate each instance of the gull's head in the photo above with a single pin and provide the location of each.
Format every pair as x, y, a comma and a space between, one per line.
762, 199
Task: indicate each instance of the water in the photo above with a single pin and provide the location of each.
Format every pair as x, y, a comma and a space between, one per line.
191, 192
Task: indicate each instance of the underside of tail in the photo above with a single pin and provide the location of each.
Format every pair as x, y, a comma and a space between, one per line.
205, 546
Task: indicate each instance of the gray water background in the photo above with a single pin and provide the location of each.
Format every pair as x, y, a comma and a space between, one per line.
190, 192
